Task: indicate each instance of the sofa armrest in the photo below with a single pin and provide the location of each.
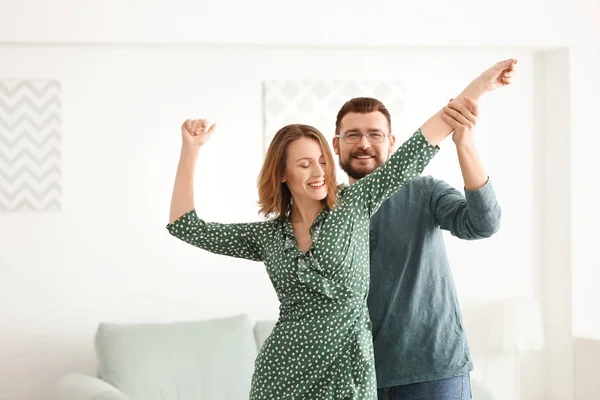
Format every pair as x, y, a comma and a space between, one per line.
480, 391
84, 387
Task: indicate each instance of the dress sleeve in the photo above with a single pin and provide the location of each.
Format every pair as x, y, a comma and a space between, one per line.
240, 240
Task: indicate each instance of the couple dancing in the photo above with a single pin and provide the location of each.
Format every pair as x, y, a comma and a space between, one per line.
359, 269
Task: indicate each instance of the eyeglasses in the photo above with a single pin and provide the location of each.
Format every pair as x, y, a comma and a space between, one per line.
355, 137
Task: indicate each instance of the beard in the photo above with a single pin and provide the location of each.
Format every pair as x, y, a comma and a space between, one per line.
358, 172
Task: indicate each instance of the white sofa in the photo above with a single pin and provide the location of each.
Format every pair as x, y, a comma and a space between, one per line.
211, 359
202, 360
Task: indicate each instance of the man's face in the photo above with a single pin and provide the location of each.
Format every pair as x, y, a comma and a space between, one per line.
361, 158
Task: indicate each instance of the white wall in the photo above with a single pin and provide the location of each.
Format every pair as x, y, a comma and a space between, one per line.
585, 191
311, 22
585, 167
552, 233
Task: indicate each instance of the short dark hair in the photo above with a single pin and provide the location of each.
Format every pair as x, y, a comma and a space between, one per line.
362, 105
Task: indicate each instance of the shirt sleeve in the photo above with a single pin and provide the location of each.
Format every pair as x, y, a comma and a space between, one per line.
240, 240
405, 164
476, 215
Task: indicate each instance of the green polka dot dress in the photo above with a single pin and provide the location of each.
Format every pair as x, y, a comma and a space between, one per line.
321, 346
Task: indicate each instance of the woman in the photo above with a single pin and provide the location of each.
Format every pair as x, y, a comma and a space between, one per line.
315, 249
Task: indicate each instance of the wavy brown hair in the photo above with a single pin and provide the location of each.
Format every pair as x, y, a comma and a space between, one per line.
274, 196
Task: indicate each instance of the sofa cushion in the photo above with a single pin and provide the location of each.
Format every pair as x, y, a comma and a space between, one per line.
262, 330
210, 359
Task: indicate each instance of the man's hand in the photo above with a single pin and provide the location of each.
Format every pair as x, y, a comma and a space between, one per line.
462, 116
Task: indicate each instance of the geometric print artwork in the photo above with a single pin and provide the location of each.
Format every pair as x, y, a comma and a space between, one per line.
30, 145
317, 103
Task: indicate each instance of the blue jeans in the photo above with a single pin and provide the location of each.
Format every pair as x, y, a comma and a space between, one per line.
455, 388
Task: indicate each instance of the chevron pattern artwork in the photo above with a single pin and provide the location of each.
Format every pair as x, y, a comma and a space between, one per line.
317, 102
30, 141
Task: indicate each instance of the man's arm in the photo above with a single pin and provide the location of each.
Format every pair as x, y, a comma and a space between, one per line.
477, 215
462, 117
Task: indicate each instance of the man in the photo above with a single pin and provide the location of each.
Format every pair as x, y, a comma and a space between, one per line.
420, 346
